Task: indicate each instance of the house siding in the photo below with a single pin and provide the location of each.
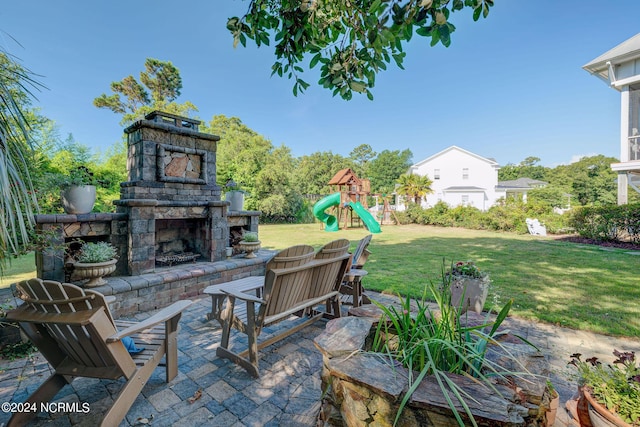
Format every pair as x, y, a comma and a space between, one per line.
479, 187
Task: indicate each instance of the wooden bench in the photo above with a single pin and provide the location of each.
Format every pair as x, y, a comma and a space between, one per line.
286, 292
289, 257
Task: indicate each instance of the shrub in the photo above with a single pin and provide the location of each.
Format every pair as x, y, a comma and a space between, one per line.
96, 252
508, 215
250, 236
467, 217
609, 222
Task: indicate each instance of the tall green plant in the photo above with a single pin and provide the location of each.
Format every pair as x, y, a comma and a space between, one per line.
17, 199
438, 342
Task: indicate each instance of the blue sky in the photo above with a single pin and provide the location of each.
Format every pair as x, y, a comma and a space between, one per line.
508, 87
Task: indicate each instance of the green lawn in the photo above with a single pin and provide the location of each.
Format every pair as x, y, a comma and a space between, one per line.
577, 286
20, 268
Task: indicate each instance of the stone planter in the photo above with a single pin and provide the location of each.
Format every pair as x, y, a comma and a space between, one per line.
94, 272
249, 248
78, 199
473, 290
236, 200
363, 388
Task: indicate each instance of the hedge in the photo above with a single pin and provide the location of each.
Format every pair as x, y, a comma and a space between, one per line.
608, 222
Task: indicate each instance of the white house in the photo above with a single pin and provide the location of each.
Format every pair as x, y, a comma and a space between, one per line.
459, 177
620, 68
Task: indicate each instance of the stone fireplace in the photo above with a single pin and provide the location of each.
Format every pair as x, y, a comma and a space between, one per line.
171, 197
171, 227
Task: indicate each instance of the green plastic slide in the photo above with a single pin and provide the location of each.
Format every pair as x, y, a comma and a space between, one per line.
330, 221
368, 219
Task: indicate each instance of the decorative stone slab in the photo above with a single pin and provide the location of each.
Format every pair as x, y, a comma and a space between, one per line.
372, 371
343, 336
526, 359
487, 407
366, 310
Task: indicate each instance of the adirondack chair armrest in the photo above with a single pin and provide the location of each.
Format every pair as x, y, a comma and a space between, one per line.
26, 314
162, 316
243, 296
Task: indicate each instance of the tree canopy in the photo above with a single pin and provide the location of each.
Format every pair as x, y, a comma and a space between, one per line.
159, 87
385, 169
414, 187
351, 41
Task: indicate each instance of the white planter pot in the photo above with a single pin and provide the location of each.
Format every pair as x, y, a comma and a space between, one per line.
475, 293
236, 199
78, 199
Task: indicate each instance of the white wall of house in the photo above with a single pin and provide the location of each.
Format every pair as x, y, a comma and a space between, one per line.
460, 177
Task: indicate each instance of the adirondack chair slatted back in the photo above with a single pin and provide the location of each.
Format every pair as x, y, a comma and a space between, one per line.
82, 342
333, 249
291, 257
360, 255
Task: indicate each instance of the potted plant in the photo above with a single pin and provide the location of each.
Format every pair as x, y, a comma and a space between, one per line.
554, 402
94, 261
234, 195
249, 243
469, 286
78, 191
611, 391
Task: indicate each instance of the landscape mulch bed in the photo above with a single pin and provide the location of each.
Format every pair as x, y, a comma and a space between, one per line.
585, 241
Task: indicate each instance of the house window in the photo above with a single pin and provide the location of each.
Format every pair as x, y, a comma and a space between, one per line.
436, 174
465, 199
465, 173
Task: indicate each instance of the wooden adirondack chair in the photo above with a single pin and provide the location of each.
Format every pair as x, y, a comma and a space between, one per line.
353, 293
361, 254
286, 291
75, 332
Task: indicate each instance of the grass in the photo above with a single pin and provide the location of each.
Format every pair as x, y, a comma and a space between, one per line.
20, 268
577, 286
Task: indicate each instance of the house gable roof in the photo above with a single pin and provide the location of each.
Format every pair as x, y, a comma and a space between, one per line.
524, 183
452, 148
625, 51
